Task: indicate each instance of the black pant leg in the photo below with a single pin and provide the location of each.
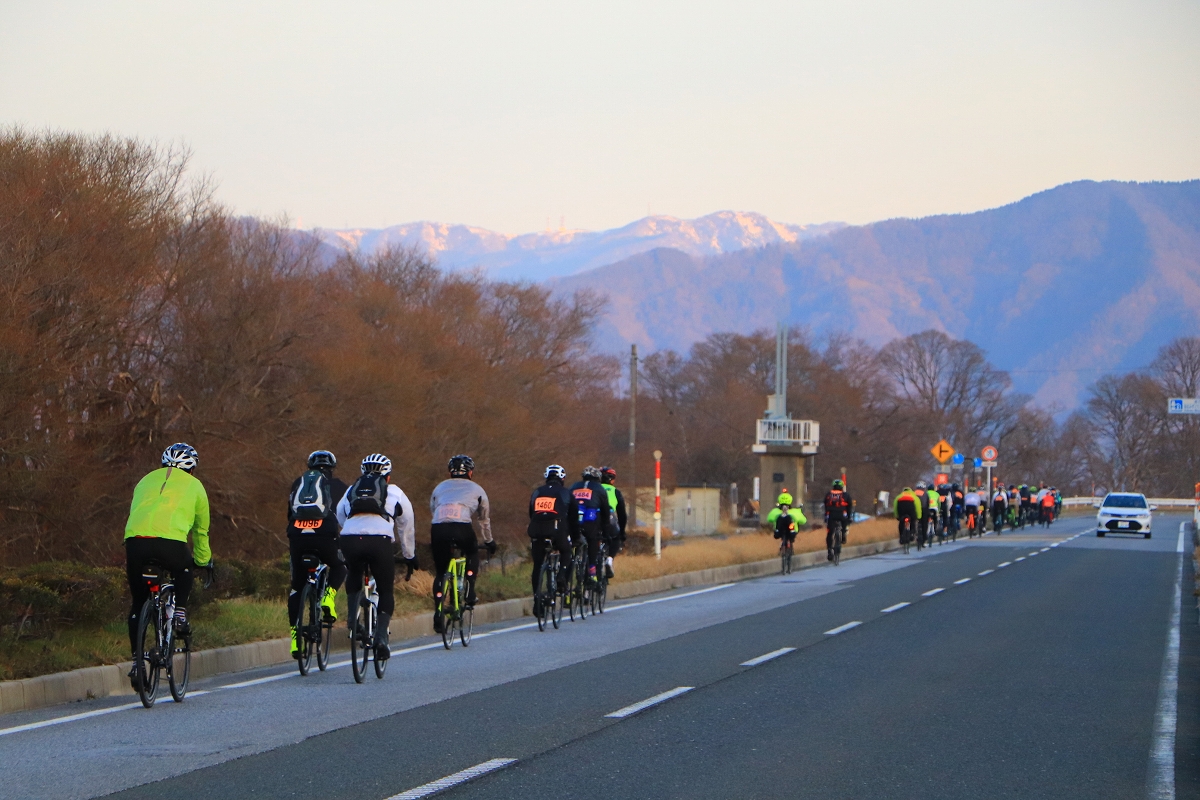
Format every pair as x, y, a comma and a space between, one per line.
383, 567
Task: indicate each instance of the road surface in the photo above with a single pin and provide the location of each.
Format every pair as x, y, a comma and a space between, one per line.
1035, 664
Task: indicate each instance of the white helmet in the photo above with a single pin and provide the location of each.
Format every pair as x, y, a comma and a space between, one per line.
181, 456
377, 462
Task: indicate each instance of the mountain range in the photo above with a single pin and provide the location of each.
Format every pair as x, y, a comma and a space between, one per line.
1058, 288
558, 253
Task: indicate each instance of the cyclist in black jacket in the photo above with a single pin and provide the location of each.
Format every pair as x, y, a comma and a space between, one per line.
553, 515
317, 537
594, 509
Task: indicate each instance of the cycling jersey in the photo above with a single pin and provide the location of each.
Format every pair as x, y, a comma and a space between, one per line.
838, 505
796, 514
171, 504
461, 500
400, 529
972, 499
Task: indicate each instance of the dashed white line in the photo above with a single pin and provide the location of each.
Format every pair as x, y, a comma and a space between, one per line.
986, 572
843, 628
1022, 558
1004, 564
932, 592
627, 711
1166, 716
961, 581
754, 662
1044, 550
441, 784
1035, 552
896, 607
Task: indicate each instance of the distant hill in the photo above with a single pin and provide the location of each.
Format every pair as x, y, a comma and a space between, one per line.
538, 256
1058, 287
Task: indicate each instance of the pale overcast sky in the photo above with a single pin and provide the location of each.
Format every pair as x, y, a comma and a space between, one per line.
504, 114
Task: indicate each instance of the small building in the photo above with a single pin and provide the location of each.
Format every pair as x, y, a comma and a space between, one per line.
686, 510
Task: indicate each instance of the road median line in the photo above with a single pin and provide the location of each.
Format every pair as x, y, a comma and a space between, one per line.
629, 711
458, 778
765, 657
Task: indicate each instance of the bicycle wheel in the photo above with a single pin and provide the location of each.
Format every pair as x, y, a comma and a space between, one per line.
543, 599
380, 663
837, 549
304, 627
360, 639
146, 658
600, 593
465, 626
448, 613
556, 610
179, 666
323, 647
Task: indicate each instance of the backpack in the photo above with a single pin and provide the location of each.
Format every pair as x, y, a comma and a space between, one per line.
369, 494
837, 500
784, 525
312, 499
545, 504
589, 508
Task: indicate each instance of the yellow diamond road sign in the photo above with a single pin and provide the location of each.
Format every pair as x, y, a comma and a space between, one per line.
942, 451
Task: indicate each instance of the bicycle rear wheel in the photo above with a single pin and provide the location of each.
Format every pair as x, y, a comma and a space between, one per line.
360, 639
556, 610
179, 666
323, 647
837, 548
449, 590
146, 659
543, 599
308, 622
600, 592
380, 663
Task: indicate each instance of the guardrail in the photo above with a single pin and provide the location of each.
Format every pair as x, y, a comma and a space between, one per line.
1161, 502
803, 432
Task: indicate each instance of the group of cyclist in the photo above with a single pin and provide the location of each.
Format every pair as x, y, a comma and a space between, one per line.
940, 512
786, 518
363, 529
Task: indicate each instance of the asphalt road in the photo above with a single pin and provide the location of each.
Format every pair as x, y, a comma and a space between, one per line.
1040, 678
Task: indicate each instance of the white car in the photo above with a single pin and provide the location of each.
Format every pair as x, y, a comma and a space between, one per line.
1124, 512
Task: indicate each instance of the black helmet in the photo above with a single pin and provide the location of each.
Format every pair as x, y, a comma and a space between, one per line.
319, 459
608, 474
555, 471
461, 466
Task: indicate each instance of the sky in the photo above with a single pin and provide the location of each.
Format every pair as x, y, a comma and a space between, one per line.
509, 115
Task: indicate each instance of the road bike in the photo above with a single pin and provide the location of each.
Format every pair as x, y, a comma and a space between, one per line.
314, 629
834, 537
364, 642
159, 647
547, 600
972, 523
578, 598
452, 601
786, 548
906, 533
954, 524
599, 592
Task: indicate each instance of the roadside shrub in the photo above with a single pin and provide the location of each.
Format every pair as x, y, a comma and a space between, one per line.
42, 598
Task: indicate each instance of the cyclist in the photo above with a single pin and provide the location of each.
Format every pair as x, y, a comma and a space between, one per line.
1057, 502
377, 531
616, 519
592, 500
313, 530
954, 508
971, 508
999, 506
553, 515
1026, 500
1014, 499
923, 519
168, 505
838, 510
456, 503
935, 507
1048, 508
907, 510
786, 520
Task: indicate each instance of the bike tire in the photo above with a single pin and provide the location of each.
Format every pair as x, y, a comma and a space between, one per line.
304, 629
360, 640
465, 626
448, 615
179, 667
146, 658
379, 663
540, 610
837, 550
323, 647
600, 596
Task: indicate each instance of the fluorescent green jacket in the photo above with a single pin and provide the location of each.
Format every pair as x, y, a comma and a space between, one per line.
795, 513
169, 504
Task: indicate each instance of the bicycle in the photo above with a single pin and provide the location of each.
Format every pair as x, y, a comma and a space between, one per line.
455, 613
158, 646
314, 630
786, 548
362, 633
834, 537
546, 603
906, 533
599, 592
577, 601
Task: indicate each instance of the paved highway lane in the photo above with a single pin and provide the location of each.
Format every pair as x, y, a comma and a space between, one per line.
1040, 676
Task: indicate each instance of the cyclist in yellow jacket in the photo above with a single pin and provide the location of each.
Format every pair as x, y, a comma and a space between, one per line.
168, 505
792, 518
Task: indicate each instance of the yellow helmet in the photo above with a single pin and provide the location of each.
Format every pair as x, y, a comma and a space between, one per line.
785, 499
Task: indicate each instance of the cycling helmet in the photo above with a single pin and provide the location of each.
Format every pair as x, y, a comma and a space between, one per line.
608, 474
591, 474
377, 462
555, 471
839, 484
784, 499
321, 458
181, 456
921, 485
461, 466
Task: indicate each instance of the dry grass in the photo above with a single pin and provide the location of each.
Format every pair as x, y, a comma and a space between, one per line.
689, 555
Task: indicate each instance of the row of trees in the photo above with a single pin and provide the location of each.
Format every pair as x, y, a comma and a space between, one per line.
136, 311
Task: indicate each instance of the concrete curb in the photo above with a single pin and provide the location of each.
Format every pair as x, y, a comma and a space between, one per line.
108, 681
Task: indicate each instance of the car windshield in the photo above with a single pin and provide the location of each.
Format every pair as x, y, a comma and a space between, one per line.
1124, 501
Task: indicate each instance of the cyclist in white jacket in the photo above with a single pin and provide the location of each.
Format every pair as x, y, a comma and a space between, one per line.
377, 531
456, 503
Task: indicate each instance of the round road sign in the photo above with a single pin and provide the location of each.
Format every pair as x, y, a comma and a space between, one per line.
989, 453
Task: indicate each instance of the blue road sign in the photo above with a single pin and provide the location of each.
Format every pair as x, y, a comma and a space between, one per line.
958, 458
979, 463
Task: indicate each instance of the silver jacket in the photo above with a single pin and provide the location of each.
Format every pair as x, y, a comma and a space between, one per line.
402, 528
461, 500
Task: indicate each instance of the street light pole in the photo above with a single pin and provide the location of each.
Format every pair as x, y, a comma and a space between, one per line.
633, 367
658, 503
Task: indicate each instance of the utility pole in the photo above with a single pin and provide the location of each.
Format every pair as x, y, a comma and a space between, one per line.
633, 370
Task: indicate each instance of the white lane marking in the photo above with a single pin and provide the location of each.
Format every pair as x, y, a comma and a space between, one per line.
1022, 558
627, 711
986, 572
754, 662
932, 592
337, 664
843, 628
1056, 544
1004, 564
1166, 716
69, 718
1035, 552
1044, 550
961, 581
1179, 542
896, 607
441, 784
